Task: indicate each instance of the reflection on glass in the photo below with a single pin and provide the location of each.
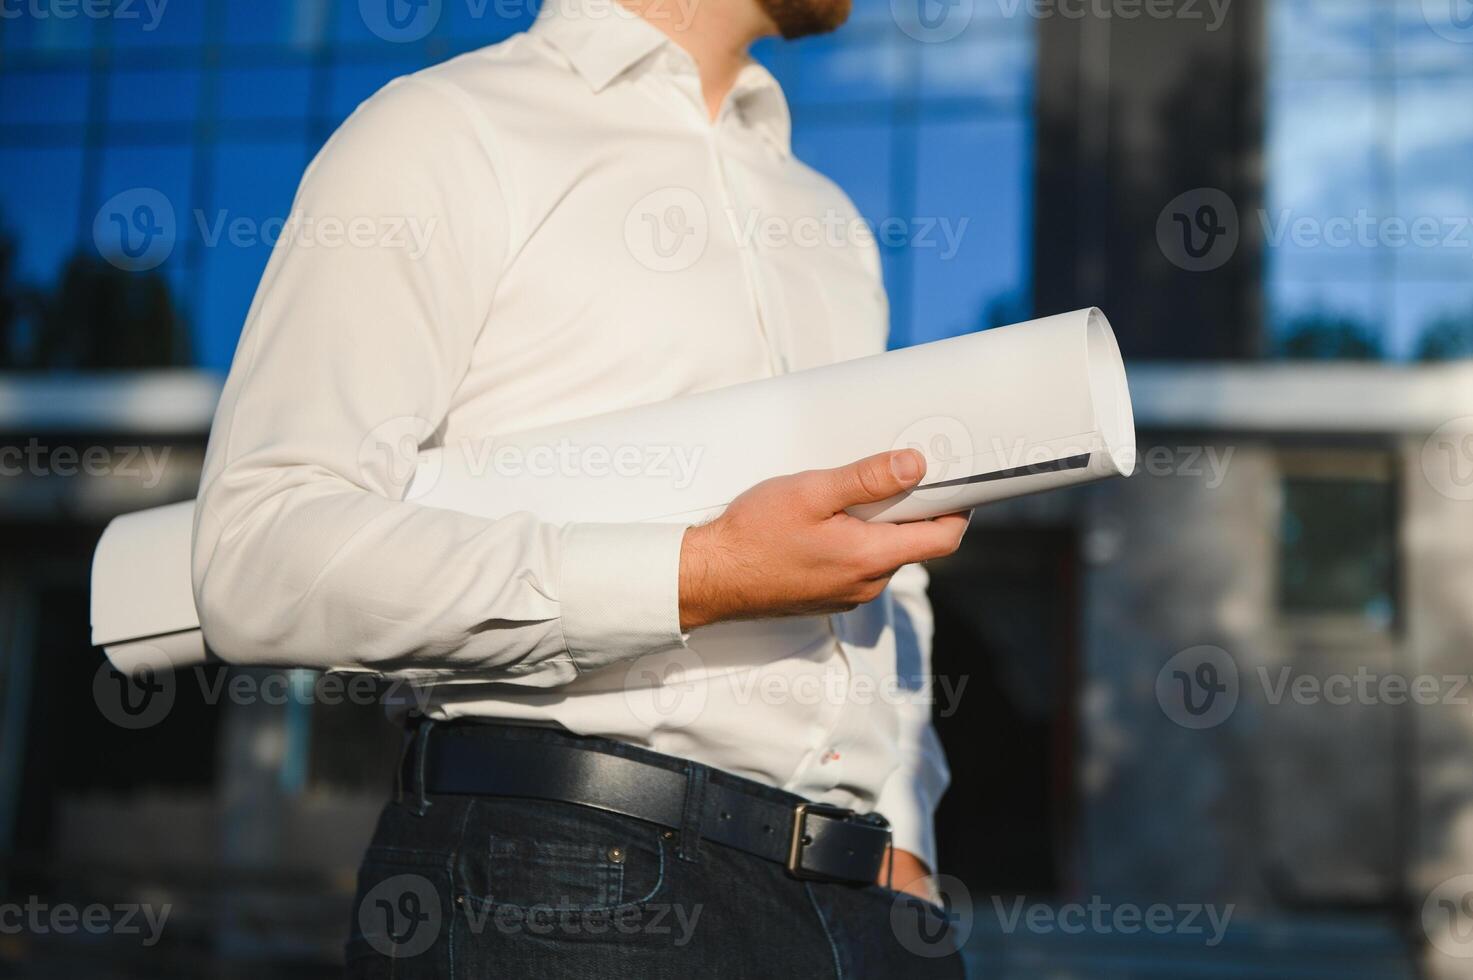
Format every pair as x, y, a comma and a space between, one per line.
1336, 547
1366, 224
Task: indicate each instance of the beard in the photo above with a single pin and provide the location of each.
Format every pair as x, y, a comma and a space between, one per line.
801, 18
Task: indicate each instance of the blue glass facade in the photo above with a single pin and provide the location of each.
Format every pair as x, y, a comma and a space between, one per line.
217, 106
1369, 150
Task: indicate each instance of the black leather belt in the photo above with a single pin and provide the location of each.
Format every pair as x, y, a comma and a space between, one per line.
812, 840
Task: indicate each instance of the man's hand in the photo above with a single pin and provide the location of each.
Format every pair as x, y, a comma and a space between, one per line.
786, 547
905, 872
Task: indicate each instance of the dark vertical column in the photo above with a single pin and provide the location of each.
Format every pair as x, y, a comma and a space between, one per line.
1147, 174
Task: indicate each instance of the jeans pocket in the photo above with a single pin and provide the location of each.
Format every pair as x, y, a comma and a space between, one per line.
560, 875
401, 915
555, 857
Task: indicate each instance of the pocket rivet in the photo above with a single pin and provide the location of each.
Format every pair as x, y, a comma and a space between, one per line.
668, 835
616, 854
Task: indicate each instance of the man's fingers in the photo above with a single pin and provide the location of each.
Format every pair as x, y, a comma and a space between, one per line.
871, 479
905, 544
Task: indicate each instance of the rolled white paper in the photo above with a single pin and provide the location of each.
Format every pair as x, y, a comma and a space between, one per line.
143, 612
997, 414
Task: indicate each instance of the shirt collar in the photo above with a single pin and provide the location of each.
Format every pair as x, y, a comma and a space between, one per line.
759, 98
602, 39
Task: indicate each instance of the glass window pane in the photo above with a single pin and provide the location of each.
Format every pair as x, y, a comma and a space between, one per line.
265, 93
836, 69
46, 236
389, 24
1322, 34
482, 22
254, 186
299, 24
1433, 34
158, 24
1433, 147
1369, 144
45, 31
1336, 547
153, 96
1434, 320
970, 235
43, 97
146, 202
1326, 170
998, 68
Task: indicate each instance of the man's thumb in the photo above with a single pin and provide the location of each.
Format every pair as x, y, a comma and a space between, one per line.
873, 478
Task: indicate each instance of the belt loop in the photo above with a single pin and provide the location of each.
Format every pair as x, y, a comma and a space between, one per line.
694, 810
421, 803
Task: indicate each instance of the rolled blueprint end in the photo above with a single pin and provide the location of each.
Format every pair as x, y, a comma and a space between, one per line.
172, 651
1111, 396
1012, 411
143, 613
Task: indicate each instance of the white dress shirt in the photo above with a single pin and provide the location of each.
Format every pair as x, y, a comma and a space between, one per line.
542, 230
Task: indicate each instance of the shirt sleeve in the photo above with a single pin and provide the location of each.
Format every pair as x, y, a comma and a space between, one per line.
909, 796
305, 553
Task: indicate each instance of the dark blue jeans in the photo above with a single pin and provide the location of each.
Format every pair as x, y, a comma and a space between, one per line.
460, 886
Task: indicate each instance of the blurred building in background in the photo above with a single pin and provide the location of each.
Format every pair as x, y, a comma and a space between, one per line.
1237, 683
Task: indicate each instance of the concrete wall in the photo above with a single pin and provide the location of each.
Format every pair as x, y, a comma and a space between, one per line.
1327, 801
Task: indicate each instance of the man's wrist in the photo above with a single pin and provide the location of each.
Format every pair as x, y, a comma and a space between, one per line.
697, 601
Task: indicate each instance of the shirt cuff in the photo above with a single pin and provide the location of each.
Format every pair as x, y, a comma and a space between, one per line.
910, 807
620, 591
